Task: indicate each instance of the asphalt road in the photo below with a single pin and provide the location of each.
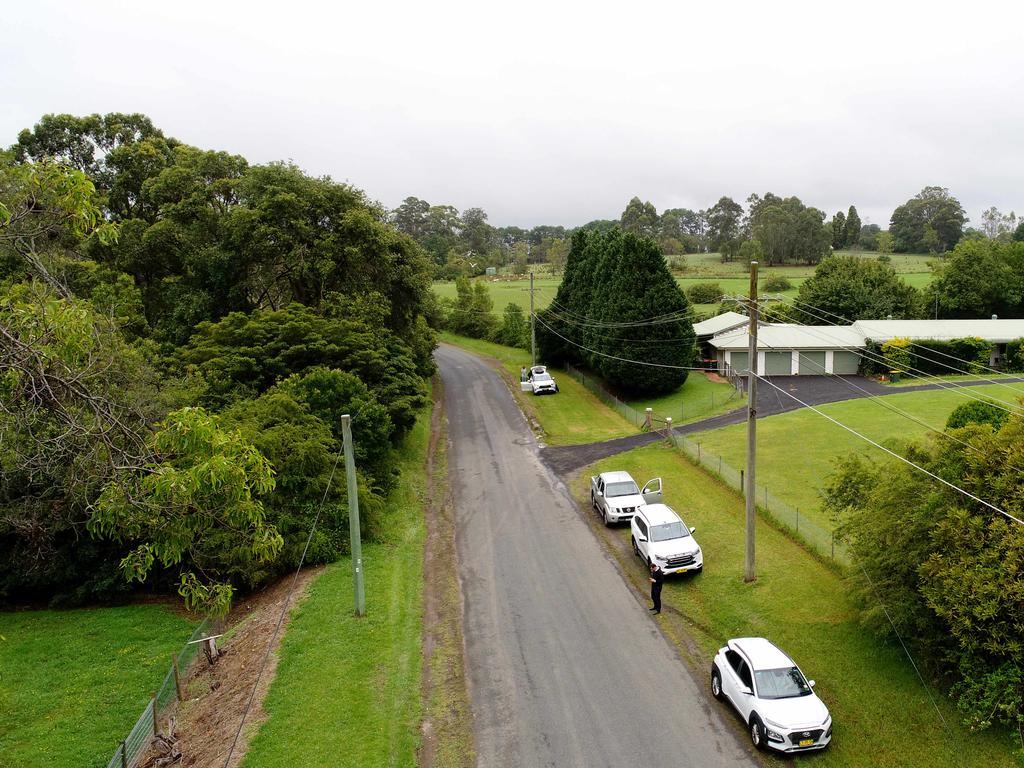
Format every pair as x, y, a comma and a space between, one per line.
565, 665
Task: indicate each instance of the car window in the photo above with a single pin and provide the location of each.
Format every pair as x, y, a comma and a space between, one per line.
622, 489
541, 377
784, 683
667, 531
744, 673
641, 525
734, 660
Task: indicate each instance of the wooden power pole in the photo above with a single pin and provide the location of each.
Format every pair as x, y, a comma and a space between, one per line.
533, 328
751, 509
353, 516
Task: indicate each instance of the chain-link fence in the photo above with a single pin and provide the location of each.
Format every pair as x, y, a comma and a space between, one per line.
786, 516
133, 746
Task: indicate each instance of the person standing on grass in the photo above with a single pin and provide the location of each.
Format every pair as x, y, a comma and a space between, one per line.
657, 579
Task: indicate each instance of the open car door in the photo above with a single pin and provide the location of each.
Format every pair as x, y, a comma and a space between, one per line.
652, 491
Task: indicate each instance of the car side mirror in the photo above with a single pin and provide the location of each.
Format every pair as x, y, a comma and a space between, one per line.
599, 492
692, 529
641, 538
747, 691
810, 683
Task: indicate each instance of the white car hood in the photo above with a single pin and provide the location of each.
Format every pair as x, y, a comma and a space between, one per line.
621, 502
795, 712
687, 545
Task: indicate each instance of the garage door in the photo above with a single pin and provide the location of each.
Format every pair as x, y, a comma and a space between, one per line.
739, 362
812, 363
845, 363
778, 363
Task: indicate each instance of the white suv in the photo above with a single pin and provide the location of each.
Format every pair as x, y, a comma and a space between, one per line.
772, 696
661, 537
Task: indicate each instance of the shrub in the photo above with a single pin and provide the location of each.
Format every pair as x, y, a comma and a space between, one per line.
705, 293
977, 412
897, 355
776, 283
1013, 360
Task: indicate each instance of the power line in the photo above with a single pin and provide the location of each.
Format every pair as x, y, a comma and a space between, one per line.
924, 375
622, 359
880, 400
892, 453
284, 610
968, 363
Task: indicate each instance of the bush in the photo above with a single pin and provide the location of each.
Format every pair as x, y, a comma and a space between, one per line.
885, 258
676, 263
776, 283
705, 293
1014, 358
977, 412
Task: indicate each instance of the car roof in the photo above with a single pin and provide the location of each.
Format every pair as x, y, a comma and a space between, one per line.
616, 477
657, 514
761, 653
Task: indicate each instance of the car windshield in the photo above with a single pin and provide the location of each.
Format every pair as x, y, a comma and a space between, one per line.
785, 683
621, 489
667, 531
541, 377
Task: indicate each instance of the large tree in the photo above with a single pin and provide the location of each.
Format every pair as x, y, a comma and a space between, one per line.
789, 231
723, 222
931, 220
856, 289
640, 218
980, 278
852, 236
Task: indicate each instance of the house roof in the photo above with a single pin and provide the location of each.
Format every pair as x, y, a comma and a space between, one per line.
996, 331
786, 336
719, 323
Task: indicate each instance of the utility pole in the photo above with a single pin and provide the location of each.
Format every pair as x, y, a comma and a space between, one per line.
533, 327
751, 509
353, 516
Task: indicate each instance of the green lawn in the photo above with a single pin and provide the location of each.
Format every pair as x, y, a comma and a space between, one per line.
697, 399
882, 715
73, 683
572, 416
796, 450
347, 690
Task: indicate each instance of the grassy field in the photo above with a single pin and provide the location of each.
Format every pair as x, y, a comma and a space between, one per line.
572, 416
796, 450
700, 268
347, 689
882, 714
73, 683
697, 399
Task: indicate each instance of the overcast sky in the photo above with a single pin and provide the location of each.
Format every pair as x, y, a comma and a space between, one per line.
557, 113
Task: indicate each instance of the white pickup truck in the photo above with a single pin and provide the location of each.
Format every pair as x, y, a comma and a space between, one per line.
615, 495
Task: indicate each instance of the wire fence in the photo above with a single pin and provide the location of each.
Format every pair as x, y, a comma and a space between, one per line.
784, 515
133, 746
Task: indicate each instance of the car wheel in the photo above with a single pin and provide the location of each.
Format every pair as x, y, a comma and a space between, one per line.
716, 684
756, 732
593, 501
604, 516
697, 570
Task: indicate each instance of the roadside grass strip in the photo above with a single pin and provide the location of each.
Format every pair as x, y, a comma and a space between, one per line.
73, 683
882, 714
347, 689
796, 450
572, 416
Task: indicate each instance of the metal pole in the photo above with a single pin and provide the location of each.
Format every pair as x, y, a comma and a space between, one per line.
177, 677
749, 573
353, 516
533, 327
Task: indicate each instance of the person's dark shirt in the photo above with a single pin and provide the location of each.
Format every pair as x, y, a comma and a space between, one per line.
658, 575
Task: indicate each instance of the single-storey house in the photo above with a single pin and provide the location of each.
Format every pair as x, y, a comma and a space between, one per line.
785, 349
790, 350
713, 326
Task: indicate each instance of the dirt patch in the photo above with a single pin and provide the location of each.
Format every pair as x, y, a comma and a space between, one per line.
205, 724
447, 735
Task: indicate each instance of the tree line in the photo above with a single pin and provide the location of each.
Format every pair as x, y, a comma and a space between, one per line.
182, 331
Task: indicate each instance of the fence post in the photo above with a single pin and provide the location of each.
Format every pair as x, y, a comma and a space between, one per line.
798, 519
124, 753
698, 453
743, 486
766, 497
649, 424
177, 677
719, 465
152, 703
833, 545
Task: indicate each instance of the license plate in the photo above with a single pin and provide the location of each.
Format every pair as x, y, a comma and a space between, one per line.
806, 742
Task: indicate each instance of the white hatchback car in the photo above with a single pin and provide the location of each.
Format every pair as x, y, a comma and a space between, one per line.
660, 536
772, 696
543, 383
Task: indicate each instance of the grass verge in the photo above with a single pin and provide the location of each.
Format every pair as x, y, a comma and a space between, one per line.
883, 716
347, 689
698, 398
572, 416
796, 450
73, 683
